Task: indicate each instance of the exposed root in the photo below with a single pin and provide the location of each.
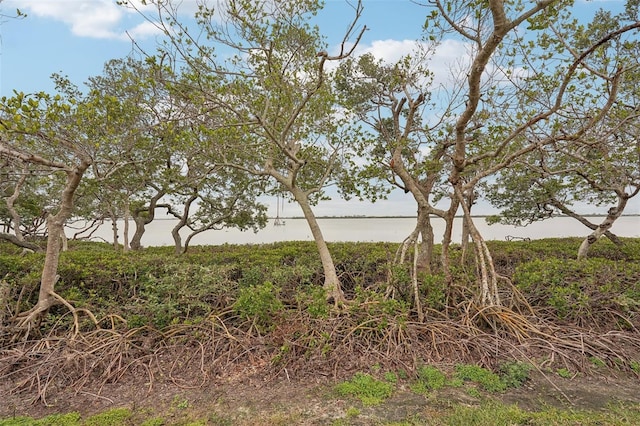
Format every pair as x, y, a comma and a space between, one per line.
225, 347
26, 321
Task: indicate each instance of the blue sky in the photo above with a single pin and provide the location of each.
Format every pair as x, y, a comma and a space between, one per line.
76, 38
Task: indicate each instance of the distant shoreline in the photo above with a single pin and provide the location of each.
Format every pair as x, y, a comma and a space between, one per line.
407, 217
414, 217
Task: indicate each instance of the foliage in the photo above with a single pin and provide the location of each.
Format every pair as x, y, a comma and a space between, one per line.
582, 291
178, 292
434, 287
486, 413
429, 378
505, 415
260, 304
514, 374
486, 379
67, 419
314, 301
366, 388
564, 373
114, 417
155, 288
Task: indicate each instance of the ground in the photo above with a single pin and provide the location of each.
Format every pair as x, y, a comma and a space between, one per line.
252, 400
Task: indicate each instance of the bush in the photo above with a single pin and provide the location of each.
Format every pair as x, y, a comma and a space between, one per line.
260, 304
585, 292
178, 292
514, 374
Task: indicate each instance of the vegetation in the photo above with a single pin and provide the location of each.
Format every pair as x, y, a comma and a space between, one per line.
489, 413
544, 114
222, 307
226, 111
366, 388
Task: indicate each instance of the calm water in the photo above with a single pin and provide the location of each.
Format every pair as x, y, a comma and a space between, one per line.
371, 230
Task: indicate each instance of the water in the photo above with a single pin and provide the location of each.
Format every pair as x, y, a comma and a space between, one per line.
158, 233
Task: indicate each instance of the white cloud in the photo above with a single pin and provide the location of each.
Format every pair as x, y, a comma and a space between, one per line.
451, 58
102, 19
446, 61
143, 30
389, 50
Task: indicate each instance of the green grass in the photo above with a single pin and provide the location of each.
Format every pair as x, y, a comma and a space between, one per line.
486, 379
429, 378
366, 388
497, 414
491, 413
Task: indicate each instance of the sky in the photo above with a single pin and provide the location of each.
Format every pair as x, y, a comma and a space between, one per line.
76, 37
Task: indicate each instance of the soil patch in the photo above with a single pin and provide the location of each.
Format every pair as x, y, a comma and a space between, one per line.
253, 400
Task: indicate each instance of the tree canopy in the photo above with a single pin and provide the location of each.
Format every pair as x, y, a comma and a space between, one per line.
539, 114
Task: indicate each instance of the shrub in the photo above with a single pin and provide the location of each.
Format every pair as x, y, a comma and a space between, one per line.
314, 300
259, 303
585, 292
514, 374
178, 292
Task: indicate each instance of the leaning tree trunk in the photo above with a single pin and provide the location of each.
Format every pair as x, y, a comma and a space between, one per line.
470, 199
47, 296
331, 280
141, 220
563, 209
10, 201
612, 215
17, 238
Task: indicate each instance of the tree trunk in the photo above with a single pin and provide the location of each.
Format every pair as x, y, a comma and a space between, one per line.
141, 221
331, 281
20, 243
55, 230
125, 230
563, 209
470, 199
612, 215
488, 278
143, 217
182, 222
446, 241
425, 253
15, 217
114, 228
421, 238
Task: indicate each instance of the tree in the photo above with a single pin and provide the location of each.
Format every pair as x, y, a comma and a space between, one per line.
41, 130
599, 166
490, 119
268, 108
391, 99
141, 151
213, 197
24, 203
63, 134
